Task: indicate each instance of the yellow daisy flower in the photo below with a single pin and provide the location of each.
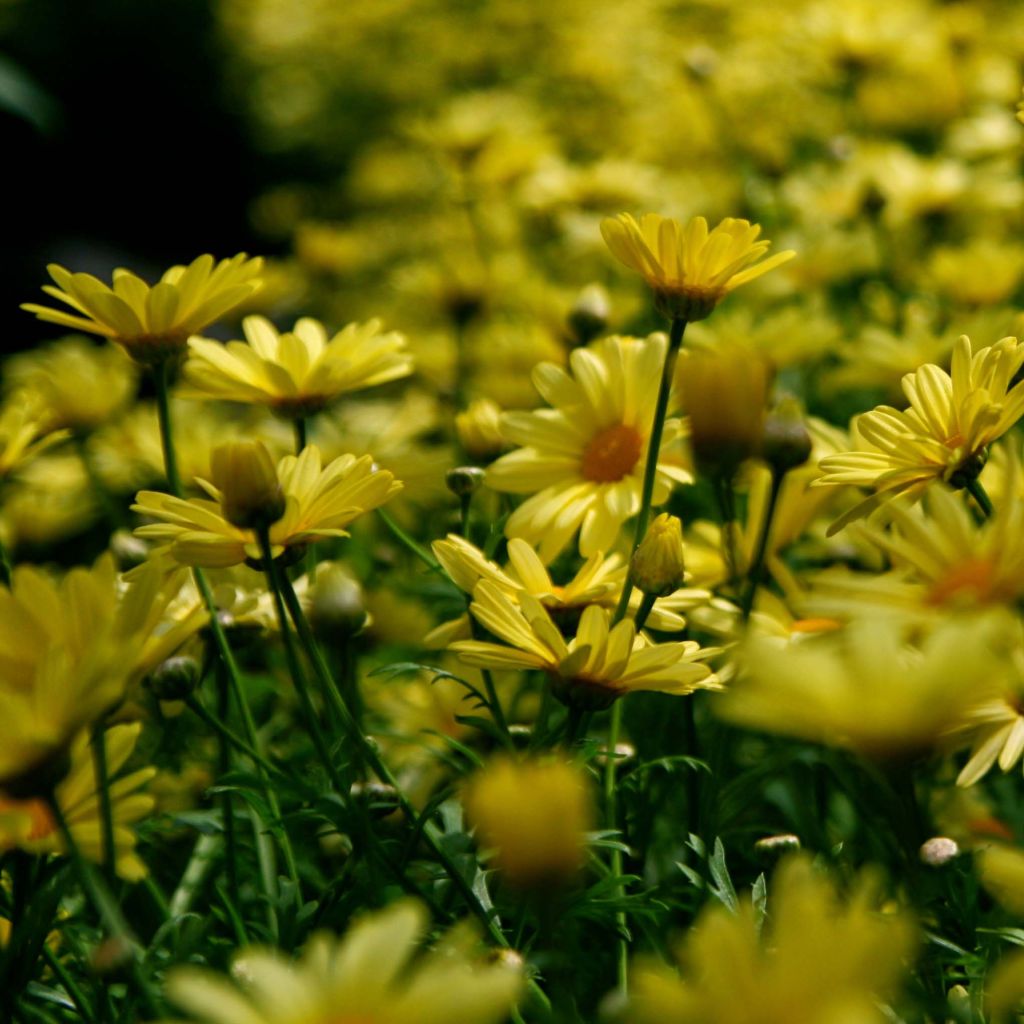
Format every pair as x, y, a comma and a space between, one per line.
995, 731
598, 581
28, 824
586, 455
365, 977
297, 373
863, 687
320, 501
24, 431
154, 322
952, 419
823, 959
690, 269
597, 666
68, 650
81, 385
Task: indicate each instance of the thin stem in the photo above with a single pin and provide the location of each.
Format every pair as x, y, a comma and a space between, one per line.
645, 609
301, 434
85, 1011
98, 743
224, 766
103, 902
977, 491
5, 566
162, 379
417, 549
675, 341
764, 530
230, 737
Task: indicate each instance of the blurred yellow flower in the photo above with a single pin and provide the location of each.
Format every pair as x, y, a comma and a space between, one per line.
24, 431
586, 456
320, 501
600, 664
952, 419
154, 322
824, 959
863, 687
689, 269
534, 814
68, 650
28, 824
479, 429
1001, 870
80, 384
297, 373
364, 977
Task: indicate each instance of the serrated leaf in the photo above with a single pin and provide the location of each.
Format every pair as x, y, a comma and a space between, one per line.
723, 888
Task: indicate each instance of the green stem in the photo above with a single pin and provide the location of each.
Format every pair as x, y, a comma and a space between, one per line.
764, 530
675, 341
74, 992
162, 379
418, 550
295, 666
645, 609
103, 903
977, 491
301, 434
5, 566
98, 742
224, 766
232, 738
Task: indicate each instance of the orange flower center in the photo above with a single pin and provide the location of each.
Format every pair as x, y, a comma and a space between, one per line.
612, 454
42, 823
815, 625
974, 578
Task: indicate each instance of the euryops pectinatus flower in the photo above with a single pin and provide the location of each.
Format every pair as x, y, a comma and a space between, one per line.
299, 372
367, 977
601, 663
582, 462
690, 269
319, 502
731, 972
68, 650
953, 417
151, 322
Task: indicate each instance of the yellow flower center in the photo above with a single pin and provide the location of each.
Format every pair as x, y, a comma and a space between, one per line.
973, 579
821, 625
612, 454
42, 823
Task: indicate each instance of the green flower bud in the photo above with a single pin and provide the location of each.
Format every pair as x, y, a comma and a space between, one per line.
657, 567
250, 493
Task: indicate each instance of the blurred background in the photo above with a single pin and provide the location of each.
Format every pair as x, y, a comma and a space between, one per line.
445, 164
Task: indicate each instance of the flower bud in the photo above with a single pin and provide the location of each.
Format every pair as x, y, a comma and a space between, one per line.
656, 568
464, 480
479, 429
938, 851
534, 815
250, 493
724, 391
771, 848
589, 314
336, 607
787, 443
174, 679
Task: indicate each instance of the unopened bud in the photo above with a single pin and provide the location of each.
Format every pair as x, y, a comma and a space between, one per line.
657, 568
174, 679
336, 608
938, 851
112, 955
590, 313
250, 493
464, 480
379, 798
787, 443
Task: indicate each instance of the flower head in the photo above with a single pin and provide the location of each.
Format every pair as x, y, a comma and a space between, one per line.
154, 322
825, 959
582, 462
689, 268
250, 493
952, 419
299, 372
598, 665
535, 815
320, 501
28, 824
657, 567
364, 977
